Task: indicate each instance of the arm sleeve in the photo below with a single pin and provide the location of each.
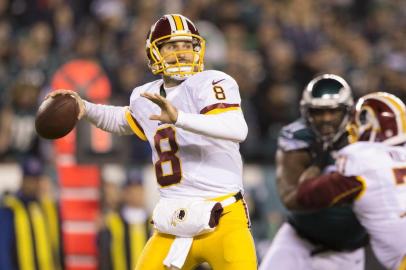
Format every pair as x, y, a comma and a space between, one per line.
227, 126
108, 118
327, 190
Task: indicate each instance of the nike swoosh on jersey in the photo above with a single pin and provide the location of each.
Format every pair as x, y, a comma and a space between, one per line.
223, 214
216, 82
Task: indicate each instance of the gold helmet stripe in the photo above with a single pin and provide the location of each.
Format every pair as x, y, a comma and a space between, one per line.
171, 22
392, 101
400, 108
184, 21
178, 22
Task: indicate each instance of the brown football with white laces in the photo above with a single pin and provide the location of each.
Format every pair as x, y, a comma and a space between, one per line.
56, 116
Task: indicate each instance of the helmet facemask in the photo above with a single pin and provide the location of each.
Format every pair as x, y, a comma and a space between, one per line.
336, 125
178, 68
179, 64
327, 94
367, 125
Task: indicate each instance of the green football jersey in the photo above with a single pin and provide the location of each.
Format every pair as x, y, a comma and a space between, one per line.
335, 228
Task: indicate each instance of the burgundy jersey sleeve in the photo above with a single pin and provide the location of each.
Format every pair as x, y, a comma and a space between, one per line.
327, 190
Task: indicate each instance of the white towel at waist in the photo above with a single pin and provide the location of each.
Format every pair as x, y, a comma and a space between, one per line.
179, 250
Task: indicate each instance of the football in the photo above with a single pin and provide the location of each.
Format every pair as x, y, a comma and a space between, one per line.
56, 116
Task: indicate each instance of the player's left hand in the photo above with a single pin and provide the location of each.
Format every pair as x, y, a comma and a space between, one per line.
75, 95
169, 114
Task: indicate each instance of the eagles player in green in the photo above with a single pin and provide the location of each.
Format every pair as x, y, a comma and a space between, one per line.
328, 239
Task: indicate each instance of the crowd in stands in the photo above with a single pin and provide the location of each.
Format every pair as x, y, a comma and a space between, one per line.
272, 48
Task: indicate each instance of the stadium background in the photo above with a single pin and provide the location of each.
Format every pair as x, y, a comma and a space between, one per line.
272, 48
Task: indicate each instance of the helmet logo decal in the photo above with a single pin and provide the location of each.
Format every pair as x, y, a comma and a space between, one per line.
178, 216
385, 117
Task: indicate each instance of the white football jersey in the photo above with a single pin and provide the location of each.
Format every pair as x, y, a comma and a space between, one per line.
381, 205
188, 164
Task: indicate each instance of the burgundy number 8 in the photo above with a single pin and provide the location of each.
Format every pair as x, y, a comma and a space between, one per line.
167, 156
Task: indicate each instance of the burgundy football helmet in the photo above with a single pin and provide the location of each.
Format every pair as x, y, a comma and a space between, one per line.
171, 28
379, 117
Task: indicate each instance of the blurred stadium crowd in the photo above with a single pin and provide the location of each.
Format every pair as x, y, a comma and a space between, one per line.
271, 47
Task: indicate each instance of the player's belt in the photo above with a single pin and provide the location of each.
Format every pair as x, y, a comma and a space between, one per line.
218, 208
235, 198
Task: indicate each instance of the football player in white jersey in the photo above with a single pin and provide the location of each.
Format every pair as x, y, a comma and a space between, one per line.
371, 174
193, 121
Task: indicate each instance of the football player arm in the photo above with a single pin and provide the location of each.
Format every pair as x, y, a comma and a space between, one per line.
291, 168
105, 117
108, 118
228, 125
328, 190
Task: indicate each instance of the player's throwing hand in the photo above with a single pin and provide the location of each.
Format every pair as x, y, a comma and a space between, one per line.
169, 114
74, 95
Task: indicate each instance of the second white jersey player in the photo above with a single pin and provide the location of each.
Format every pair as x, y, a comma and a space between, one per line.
381, 203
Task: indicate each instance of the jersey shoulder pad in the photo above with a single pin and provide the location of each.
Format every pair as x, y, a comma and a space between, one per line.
211, 77
213, 91
295, 136
359, 157
151, 86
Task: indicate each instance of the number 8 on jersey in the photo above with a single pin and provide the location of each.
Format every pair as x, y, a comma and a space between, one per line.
168, 167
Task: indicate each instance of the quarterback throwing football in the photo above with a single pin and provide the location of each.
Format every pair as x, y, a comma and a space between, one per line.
194, 124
